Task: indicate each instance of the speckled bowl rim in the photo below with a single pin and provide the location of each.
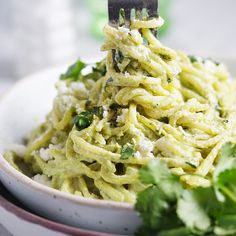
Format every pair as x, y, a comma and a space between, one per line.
7, 168
49, 224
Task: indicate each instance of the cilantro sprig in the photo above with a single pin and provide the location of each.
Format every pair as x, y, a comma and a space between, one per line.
74, 71
167, 209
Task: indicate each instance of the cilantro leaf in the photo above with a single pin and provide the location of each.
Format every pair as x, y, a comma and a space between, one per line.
151, 204
127, 151
181, 231
157, 173
193, 208
225, 173
226, 225
73, 71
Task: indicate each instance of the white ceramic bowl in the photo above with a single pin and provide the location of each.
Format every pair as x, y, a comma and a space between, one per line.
23, 108
17, 220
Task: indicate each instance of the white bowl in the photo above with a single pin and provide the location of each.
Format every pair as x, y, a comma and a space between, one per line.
21, 110
17, 220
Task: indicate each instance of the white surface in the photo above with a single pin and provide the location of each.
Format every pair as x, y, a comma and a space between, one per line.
203, 27
23, 108
19, 227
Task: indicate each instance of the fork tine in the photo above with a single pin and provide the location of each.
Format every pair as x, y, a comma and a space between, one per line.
152, 8
114, 7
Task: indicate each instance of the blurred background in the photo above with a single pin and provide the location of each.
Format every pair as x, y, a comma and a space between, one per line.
44, 33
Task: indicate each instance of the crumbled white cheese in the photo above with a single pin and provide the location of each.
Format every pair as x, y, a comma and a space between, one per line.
105, 114
65, 102
137, 155
78, 86
44, 154
42, 179
78, 108
145, 147
122, 117
54, 140
124, 30
210, 66
18, 149
61, 87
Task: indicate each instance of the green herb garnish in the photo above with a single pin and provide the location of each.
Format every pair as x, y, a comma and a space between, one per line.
100, 68
167, 209
108, 82
192, 58
191, 164
74, 71
98, 111
119, 57
83, 120
127, 151
165, 57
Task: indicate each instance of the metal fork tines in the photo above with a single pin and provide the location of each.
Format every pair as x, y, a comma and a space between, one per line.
115, 6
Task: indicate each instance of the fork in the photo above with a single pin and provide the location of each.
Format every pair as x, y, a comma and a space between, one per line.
115, 6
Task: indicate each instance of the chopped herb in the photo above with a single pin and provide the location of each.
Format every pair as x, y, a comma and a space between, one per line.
100, 68
145, 41
190, 164
88, 105
83, 120
115, 106
119, 57
108, 83
169, 80
74, 71
127, 151
98, 111
192, 58
165, 57
210, 59
226, 121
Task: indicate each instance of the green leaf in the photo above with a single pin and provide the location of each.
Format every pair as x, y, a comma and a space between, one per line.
127, 151
225, 173
151, 204
157, 173
73, 71
181, 231
100, 68
194, 206
226, 225
83, 120
228, 150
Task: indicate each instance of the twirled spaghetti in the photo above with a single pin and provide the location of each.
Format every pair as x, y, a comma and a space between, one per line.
144, 101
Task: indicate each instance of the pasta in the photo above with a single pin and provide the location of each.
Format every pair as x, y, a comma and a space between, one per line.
144, 101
